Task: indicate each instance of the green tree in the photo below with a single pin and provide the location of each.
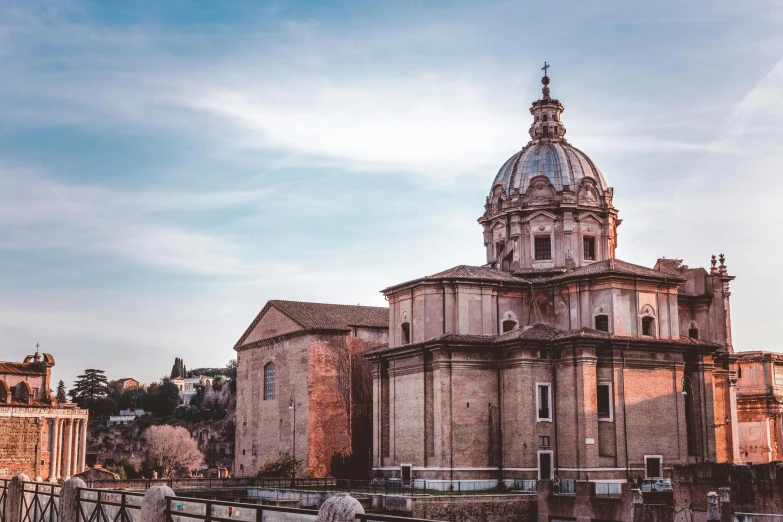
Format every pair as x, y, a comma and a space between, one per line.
61, 392
286, 466
92, 384
162, 399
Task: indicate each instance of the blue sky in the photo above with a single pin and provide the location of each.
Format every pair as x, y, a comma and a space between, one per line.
168, 167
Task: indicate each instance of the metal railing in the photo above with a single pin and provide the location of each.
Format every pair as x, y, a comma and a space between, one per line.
184, 509
565, 486
101, 505
3, 496
757, 517
369, 517
40, 502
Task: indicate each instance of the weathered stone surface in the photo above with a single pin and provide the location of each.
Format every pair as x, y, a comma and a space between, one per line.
15, 495
340, 508
153, 507
69, 499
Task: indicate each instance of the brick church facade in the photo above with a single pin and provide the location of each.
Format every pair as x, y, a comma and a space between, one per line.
303, 387
555, 359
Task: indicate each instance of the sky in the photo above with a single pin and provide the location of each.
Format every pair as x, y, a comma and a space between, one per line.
168, 167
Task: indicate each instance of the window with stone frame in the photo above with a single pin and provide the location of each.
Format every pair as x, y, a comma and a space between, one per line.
269, 381
648, 326
589, 248
544, 401
602, 323
693, 333
543, 248
604, 401
406, 333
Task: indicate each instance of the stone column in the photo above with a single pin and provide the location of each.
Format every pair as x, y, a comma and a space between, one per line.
76, 446
15, 494
153, 506
734, 420
60, 448
713, 511
53, 449
66, 471
83, 452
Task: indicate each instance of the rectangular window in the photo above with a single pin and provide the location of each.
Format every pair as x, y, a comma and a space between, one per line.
602, 323
693, 333
605, 401
653, 466
543, 248
589, 248
544, 400
543, 441
545, 465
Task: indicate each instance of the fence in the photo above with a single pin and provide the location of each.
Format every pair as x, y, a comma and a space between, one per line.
608, 489
100, 505
39, 502
757, 517
184, 509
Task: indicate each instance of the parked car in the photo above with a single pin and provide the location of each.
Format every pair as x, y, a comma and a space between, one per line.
658, 484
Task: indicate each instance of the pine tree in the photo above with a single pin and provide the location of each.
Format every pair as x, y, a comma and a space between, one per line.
92, 384
178, 370
61, 392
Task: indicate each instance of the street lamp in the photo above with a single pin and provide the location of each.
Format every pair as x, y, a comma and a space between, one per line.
292, 406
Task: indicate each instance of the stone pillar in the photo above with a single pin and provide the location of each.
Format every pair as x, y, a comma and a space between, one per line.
734, 420
339, 508
69, 500
83, 452
76, 446
15, 494
713, 511
153, 506
53, 449
724, 496
68, 446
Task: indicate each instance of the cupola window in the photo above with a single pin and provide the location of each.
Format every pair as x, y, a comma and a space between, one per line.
508, 325
543, 248
648, 324
602, 323
589, 248
406, 333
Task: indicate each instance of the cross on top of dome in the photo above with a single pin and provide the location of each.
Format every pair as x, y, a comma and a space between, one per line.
546, 115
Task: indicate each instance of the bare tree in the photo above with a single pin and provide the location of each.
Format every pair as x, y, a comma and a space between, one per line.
172, 447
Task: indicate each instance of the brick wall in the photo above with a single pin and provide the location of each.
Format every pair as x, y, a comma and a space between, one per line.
20, 438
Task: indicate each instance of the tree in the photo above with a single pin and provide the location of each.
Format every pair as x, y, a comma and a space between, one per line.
162, 399
178, 370
172, 448
92, 384
61, 392
286, 466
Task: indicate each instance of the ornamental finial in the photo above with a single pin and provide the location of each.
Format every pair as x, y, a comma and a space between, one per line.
545, 81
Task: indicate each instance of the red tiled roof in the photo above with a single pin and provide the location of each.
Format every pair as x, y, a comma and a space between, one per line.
18, 368
325, 316
467, 273
612, 266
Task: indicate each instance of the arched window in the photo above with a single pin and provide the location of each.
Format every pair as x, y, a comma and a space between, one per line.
500, 204
693, 333
406, 333
508, 325
602, 323
648, 326
269, 381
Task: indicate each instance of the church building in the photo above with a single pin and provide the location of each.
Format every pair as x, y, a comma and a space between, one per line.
555, 359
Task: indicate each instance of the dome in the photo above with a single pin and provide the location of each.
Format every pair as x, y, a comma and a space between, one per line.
548, 153
557, 160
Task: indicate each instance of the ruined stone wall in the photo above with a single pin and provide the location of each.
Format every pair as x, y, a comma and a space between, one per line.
489, 508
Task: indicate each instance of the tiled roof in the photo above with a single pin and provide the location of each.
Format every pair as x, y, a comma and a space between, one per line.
670, 266
536, 332
20, 368
611, 266
333, 316
468, 273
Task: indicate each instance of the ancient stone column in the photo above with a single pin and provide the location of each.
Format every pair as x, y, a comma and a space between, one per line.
75, 450
66, 472
60, 447
713, 510
69, 500
53, 449
83, 452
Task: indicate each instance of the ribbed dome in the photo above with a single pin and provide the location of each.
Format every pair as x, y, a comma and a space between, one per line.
557, 160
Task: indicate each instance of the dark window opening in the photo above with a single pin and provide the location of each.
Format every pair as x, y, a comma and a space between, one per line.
406, 333
545, 466
499, 247
602, 323
509, 325
647, 326
405, 471
589, 248
693, 333
543, 441
543, 248
500, 204
739, 373
604, 400
545, 117
543, 402
653, 467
